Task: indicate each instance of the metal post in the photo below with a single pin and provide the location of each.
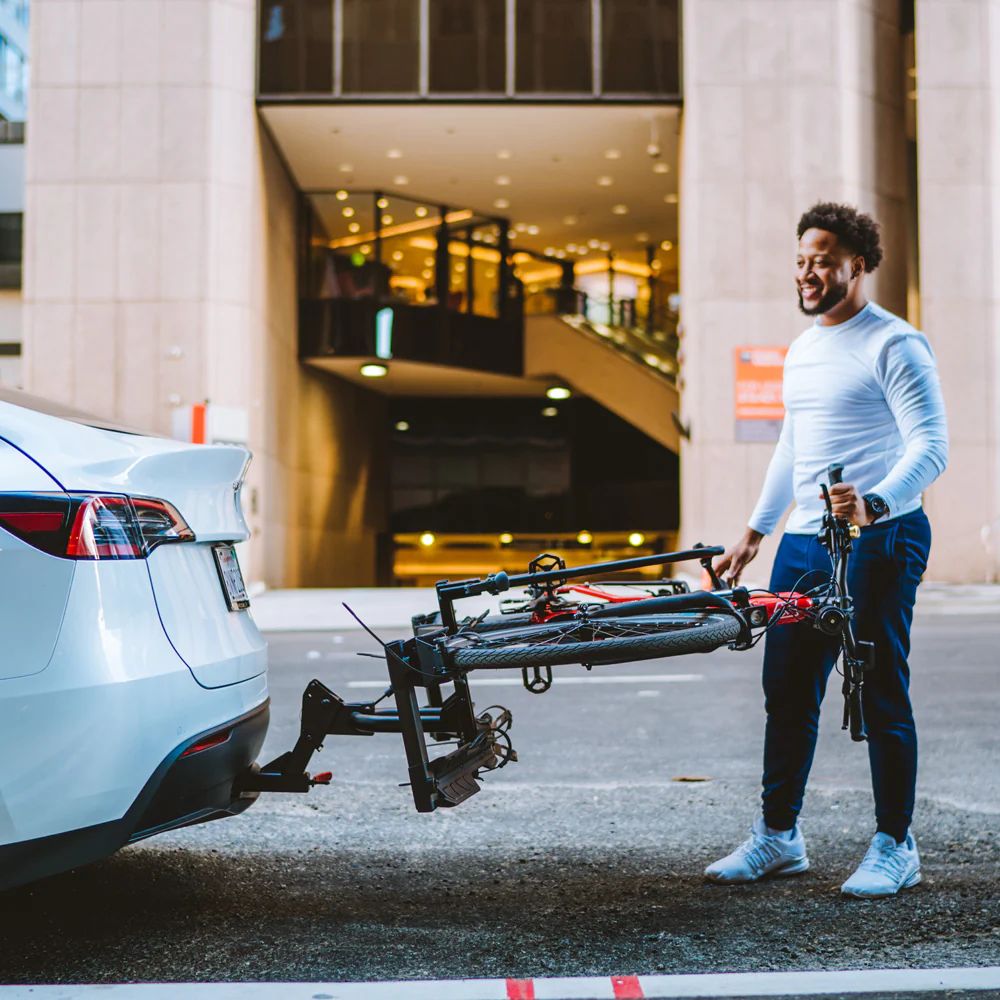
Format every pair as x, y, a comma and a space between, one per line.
380, 290
338, 47
511, 53
425, 47
503, 270
442, 261
595, 47
651, 304
470, 280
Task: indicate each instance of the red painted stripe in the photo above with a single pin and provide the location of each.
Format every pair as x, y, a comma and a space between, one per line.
627, 988
198, 423
521, 989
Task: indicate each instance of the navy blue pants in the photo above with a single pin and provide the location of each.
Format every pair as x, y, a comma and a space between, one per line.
883, 572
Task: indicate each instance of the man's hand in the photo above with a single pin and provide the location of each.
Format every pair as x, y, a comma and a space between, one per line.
730, 566
847, 503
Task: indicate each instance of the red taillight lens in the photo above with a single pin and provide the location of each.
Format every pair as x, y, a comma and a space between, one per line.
215, 740
87, 526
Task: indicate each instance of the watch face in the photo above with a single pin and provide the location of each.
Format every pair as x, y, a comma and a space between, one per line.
877, 504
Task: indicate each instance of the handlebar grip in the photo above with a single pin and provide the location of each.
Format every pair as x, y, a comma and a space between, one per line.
836, 473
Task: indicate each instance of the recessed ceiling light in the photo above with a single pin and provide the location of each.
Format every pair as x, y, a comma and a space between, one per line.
636, 539
394, 154
605, 246
511, 234
569, 220
365, 248
401, 180
503, 180
571, 247
459, 268
558, 392
550, 411
521, 227
670, 199
506, 538
605, 181
490, 273
666, 245
374, 371
397, 255
402, 425
533, 230
550, 251
427, 539
347, 211
620, 209
560, 253
428, 262
593, 244
341, 196
501, 203
585, 538
427, 275
612, 154
346, 168
354, 227
642, 237
420, 211
661, 168
581, 250
386, 220
503, 154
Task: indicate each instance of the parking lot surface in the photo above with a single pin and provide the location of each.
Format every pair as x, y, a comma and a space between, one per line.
584, 858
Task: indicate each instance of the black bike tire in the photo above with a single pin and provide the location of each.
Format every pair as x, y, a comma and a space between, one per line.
710, 632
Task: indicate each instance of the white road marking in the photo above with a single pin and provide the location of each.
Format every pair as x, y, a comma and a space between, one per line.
604, 679
728, 984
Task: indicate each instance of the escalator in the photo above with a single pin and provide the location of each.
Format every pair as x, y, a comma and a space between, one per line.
627, 373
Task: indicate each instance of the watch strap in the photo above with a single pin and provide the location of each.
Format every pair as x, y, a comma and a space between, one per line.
876, 505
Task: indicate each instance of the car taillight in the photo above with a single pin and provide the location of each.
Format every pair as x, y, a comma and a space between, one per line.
89, 526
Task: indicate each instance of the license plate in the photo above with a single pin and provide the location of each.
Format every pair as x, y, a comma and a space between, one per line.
231, 577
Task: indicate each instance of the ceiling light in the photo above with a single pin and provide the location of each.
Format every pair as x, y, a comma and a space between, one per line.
420, 211
581, 250
620, 209
605, 246
661, 168
383, 203
490, 273
533, 230
636, 539
593, 244
397, 255
521, 227
511, 234
402, 425
642, 237
347, 211
560, 253
506, 538
459, 268
394, 154
612, 154
501, 203
374, 371
666, 245
569, 220
670, 199
365, 248
401, 180
503, 154
558, 392
605, 181
571, 247
427, 275
426, 539
341, 196
585, 538
428, 262
503, 180
386, 220
550, 411
550, 251
354, 227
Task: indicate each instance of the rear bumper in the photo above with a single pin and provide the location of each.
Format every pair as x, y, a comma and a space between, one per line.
183, 790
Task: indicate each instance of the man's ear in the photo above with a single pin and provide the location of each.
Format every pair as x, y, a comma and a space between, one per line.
857, 267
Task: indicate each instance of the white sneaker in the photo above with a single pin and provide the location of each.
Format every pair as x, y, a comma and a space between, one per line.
762, 854
885, 869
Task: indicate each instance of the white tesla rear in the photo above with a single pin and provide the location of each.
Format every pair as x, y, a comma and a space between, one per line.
133, 684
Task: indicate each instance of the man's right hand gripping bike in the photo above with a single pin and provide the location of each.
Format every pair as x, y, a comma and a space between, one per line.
560, 619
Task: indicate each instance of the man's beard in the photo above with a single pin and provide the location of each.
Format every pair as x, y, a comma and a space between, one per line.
835, 295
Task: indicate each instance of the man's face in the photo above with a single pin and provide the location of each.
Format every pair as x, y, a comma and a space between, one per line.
823, 272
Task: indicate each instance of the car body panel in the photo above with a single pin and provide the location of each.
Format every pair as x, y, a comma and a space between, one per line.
19, 474
220, 646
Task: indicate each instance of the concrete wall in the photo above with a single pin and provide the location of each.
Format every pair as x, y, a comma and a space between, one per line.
958, 121
160, 264
787, 102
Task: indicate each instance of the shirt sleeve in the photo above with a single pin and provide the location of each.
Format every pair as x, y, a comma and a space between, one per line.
779, 484
909, 378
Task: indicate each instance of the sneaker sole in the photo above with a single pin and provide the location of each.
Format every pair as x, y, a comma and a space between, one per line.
792, 868
911, 881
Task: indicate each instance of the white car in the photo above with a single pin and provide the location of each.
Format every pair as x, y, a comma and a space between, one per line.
133, 680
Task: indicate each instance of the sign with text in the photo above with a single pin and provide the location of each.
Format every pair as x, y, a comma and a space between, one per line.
759, 409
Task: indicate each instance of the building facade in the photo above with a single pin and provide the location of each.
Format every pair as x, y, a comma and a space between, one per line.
475, 278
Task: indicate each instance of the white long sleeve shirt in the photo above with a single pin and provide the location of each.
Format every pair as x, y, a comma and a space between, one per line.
866, 394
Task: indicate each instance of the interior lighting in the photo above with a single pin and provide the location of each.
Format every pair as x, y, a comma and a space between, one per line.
347, 212
346, 168
642, 237
374, 371
427, 274
357, 259
550, 411
585, 538
365, 248
550, 251
501, 203
636, 539
605, 246
420, 211
558, 392
506, 538
503, 154
400, 180
569, 220
521, 227
670, 199
397, 255
394, 154
490, 273
426, 539
383, 203
386, 220
661, 168
341, 196
594, 244
612, 154
402, 426
532, 230
571, 247
620, 210
605, 181
666, 245
459, 268
354, 227
560, 253
511, 234
503, 180
428, 262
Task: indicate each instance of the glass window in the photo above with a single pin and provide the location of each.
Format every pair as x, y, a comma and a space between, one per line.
296, 47
11, 237
468, 46
381, 46
553, 47
640, 42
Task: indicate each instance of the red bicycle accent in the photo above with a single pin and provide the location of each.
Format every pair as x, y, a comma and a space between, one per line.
605, 595
792, 599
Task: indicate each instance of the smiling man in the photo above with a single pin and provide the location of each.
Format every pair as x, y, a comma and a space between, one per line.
861, 388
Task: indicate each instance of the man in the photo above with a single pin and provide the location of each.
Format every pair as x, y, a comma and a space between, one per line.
860, 388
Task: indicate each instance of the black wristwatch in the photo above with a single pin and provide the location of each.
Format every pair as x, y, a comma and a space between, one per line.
877, 507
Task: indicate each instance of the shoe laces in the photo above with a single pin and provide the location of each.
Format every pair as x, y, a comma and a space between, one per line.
882, 861
758, 851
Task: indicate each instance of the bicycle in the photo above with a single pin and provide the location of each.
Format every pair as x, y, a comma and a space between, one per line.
559, 622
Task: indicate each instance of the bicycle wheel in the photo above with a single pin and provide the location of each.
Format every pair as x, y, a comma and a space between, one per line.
606, 640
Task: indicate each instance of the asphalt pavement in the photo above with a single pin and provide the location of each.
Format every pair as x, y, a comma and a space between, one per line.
584, 858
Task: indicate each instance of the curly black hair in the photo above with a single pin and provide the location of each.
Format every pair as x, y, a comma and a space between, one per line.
856, 231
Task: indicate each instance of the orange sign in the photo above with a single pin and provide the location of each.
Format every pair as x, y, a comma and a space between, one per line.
758, 383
